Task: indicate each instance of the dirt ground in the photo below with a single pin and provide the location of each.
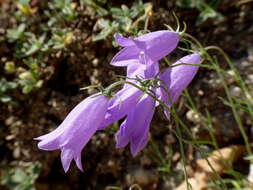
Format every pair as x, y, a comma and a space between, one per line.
85, 62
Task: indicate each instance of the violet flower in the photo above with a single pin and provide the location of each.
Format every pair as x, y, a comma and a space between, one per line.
147, 49
76, 130
177, 78
135, 128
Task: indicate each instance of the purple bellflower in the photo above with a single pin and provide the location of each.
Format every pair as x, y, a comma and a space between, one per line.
76, 130
177, 78
147, 50
135, 127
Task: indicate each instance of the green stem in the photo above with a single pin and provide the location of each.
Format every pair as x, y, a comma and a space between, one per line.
213, 61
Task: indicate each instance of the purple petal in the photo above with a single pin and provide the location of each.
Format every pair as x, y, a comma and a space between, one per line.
136, 126
121, 138
66, 158
126, 42
140, 44
78, 161
160, 43
122, 41
126, 56
152, 70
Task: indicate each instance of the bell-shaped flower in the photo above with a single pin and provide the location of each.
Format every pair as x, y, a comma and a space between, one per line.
135, 128
177, 78
146, 49
138, 108
76, 130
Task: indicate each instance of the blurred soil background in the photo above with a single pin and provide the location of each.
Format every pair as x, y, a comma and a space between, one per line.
50, 49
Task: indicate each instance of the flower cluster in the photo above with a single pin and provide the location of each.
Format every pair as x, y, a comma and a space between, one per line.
145, 88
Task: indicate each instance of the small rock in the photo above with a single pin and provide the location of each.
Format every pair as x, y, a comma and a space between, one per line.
250, 79
235, 91
9, 121
10, 137
16, 152
250, 54
193, 116
176, 157
110, 163
200, 92
170, 139
95, 62
230, 77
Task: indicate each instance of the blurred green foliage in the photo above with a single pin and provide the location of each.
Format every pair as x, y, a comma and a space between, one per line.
30, 48
60, 11
29, 78
207, 9
21, 178
55, 33
5, 86
124, 19
96, 6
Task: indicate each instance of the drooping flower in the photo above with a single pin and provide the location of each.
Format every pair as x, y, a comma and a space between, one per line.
147, 49
135, 128
177, 78
76, 130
